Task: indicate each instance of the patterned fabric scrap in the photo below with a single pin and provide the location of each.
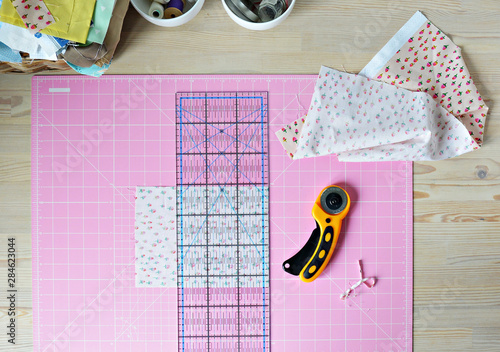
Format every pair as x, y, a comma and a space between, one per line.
426, 119
71, 18
34, 13
38, 45
422, 58
155, 237
364, 120
100, 21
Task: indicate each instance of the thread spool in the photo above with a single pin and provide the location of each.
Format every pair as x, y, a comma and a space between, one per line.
156, 10
163, 2
174, 9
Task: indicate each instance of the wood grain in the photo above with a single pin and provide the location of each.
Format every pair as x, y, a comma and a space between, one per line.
457, 202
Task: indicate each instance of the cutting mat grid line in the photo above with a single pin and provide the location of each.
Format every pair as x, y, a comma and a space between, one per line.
224, 325
98, 140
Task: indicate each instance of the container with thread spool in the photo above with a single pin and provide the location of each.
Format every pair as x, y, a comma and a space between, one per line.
182, 10
270, 13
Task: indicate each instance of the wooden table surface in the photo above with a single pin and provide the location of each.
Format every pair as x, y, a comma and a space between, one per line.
457, 201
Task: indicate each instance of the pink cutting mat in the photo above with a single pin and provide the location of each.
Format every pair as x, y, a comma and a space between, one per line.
94, 140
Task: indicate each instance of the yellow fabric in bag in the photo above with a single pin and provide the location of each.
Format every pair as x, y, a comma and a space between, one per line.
72, 18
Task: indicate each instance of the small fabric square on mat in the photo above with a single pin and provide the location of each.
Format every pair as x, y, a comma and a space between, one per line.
155, 237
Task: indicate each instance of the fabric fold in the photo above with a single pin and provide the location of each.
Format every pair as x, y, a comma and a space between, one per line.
365, 120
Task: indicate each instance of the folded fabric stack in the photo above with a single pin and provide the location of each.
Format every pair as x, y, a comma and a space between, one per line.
415, 100
84, 33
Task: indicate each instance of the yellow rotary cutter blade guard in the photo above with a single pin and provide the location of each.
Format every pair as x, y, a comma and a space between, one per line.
330, 208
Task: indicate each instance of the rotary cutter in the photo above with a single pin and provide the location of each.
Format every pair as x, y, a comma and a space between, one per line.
330, 208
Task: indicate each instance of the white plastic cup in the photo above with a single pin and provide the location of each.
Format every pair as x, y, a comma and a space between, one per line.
142, 6
258, 26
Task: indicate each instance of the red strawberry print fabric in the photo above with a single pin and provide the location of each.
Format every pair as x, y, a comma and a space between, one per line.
443, 118
430, 62
360, 119
34, 13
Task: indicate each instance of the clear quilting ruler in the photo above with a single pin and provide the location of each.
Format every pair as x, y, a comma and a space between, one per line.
222, 221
